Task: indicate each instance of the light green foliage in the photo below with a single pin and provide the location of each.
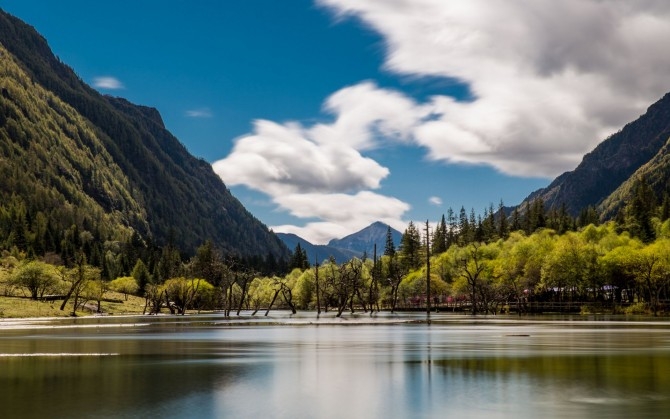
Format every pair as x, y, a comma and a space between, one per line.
305, 290
650, 266
95, 290
183, 293
260, 294
37, 278
125, 285
414, 285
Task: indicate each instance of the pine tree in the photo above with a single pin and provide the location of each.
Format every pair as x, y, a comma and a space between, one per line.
640, 211
453, 228
664, 212
463, 228
516, 220
439, 244
299, 259
410, 248
389, 247
141, 274
503, 230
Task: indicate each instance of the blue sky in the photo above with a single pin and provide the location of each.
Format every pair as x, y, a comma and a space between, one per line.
324, 116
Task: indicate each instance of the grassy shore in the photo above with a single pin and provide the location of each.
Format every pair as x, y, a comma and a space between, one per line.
17, 307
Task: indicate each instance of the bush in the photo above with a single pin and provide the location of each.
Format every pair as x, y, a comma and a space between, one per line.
637, 308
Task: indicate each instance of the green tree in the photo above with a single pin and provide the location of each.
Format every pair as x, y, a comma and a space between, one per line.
36, 277
180, 293
410, 248
440, 237
77, 278
651, 267
503, 228
389, 247
141, 275
640, 211
95, 290
299, 258
125, 285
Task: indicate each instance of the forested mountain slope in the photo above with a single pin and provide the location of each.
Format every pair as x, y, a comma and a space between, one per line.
610, 164
655, 173
104, 165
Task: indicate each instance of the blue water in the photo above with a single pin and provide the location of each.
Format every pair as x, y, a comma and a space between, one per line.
388, 366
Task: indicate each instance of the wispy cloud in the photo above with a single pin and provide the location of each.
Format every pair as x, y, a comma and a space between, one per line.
108, 82
435, 200
199, 113
550, 79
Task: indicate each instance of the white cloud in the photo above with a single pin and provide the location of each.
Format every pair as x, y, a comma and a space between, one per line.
199, 113
435, 200
288, 158
107, 82
550, 78
319, 172
285, 159
342, 214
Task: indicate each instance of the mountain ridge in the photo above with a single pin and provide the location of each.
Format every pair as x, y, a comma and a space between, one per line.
610, 164
316, 252
356, 244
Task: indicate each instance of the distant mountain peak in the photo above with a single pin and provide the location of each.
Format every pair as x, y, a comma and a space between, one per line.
356, 244
363, 241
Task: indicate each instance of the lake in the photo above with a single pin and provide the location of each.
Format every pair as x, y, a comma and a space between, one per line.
386, 366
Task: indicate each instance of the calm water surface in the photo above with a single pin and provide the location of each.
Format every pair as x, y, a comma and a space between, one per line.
358, 367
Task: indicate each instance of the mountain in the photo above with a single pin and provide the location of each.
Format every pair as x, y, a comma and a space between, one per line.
363, 241
656, 172
354, 245
316, 252
613, 163
97, 164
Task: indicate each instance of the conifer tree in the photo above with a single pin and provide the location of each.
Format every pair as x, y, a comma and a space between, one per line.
389, 247
453, 228
463, 228
503, 230
516, 220
299, 259
640, 211
439, 244
410, 248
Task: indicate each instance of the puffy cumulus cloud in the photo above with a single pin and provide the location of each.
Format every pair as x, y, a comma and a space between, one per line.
319, 171
340, 214
288, 158
108, 82
550, 79
283, 159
